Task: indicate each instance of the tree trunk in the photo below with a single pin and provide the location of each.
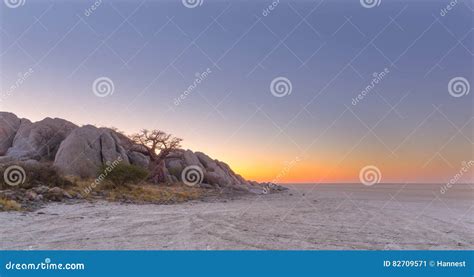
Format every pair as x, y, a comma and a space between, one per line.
157, 174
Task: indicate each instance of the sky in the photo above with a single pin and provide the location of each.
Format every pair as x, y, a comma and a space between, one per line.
285, 91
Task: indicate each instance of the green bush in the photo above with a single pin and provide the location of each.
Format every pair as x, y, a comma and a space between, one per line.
176, 171
24, 175
122, 174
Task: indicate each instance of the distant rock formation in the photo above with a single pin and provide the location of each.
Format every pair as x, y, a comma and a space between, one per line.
81, 151
9, 124
214, 173
39, 140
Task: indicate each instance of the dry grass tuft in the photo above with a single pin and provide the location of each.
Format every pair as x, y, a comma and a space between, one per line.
9, 205
154, 194
141, 194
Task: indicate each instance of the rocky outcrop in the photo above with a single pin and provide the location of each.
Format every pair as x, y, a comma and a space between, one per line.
81, 151
86, 149
34, 198
212, 173
9, 125
39, 140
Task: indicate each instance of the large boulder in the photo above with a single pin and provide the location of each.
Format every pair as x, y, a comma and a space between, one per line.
87, 148
138, 159
9, 125
39, 140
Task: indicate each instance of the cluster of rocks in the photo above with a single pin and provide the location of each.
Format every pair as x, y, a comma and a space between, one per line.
215, 174
81, 151
34, 197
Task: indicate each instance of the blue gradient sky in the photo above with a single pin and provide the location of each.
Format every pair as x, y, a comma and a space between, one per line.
409, 126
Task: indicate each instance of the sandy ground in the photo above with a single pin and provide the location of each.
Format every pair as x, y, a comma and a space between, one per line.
306, 217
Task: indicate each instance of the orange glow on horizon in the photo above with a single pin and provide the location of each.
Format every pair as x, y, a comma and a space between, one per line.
253, 161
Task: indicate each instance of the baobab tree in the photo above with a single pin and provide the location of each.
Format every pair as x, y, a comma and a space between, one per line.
157, 145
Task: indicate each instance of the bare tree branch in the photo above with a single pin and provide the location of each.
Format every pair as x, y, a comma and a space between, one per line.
157, 145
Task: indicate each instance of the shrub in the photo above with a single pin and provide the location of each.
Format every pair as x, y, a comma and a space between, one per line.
25, 175
176, 171
122, 174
